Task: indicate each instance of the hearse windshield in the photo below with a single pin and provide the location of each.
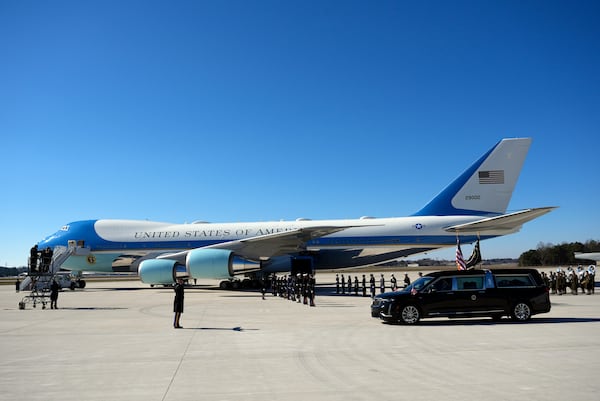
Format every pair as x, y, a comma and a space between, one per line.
418, 284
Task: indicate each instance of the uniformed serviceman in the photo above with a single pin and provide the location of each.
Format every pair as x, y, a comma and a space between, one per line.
349, 285
364, 286
406, 280
372, 285
311, 286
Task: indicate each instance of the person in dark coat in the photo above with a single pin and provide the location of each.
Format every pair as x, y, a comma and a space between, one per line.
372, 285
54, 287
33, 258
364, 286
406, 280
178, 303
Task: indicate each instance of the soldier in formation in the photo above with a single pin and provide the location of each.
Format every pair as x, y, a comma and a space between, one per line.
296, 288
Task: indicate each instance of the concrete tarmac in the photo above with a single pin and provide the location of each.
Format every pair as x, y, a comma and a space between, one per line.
115, 341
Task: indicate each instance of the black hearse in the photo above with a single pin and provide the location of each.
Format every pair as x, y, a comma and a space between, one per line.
518, 293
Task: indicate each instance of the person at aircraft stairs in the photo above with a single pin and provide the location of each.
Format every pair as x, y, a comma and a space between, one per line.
33, 259
54, 288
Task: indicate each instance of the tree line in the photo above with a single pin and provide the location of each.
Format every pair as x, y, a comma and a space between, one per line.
547, 254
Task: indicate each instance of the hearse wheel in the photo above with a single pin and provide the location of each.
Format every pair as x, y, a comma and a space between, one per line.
409, 314
521, 312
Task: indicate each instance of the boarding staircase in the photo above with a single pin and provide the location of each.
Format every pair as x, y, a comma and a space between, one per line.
41, 273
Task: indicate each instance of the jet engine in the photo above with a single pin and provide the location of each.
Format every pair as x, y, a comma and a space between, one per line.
199, 263
161, 271
210, 263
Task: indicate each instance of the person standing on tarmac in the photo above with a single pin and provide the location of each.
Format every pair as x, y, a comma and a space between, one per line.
337, 283
393, 283
372, 284
382, 284
54, 287
364, 286
312, 289
349, 285
178, 302
406, 280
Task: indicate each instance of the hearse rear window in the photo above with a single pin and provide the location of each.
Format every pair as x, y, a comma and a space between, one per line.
469, 283
514, 280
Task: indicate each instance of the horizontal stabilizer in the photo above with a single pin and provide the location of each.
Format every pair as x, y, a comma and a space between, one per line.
510, 221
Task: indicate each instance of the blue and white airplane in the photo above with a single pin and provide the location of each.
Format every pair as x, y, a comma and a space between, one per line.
473, 206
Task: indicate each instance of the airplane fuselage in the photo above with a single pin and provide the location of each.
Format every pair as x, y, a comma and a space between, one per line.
367, 241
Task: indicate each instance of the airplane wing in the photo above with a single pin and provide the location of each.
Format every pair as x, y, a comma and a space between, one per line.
588, 256
510, 221
263, 247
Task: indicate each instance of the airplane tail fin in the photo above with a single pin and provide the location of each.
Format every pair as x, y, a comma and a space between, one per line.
486, 187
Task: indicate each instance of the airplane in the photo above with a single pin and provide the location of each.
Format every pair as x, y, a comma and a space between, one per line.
472, 207
595, 256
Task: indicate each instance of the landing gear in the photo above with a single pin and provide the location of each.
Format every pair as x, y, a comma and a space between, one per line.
237, 284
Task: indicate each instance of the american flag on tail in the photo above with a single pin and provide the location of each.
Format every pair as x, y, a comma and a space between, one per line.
460, 261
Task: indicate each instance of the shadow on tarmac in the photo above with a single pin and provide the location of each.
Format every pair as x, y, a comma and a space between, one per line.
491, 322
92, 308
239, 328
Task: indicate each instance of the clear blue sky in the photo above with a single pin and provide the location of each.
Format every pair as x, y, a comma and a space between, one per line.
267, 110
